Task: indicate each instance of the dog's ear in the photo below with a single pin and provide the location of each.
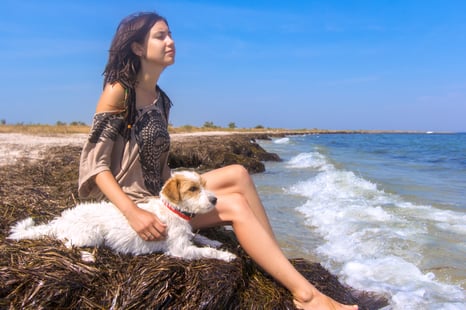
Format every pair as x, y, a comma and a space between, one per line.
172, 190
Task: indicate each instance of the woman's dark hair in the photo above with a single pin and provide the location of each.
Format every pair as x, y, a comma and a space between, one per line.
123, 65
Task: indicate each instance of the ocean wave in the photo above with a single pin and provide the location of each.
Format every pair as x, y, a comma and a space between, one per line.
408, 287
373, 238
282, 141
313, 160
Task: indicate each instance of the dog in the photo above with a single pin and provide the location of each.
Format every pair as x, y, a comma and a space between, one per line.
97, 224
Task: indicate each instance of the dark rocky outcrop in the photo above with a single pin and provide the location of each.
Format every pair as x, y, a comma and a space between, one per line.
43, 274
207, 152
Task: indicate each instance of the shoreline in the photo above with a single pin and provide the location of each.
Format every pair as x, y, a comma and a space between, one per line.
17, 143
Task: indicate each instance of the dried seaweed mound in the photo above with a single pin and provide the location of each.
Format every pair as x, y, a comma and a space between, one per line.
43, 274
210, 152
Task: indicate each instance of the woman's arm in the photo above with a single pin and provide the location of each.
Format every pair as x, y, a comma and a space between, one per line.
112, 98
146, 224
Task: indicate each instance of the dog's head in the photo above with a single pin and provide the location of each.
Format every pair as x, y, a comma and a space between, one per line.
186, 191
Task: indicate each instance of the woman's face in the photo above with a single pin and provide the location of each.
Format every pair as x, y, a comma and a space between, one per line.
159, 47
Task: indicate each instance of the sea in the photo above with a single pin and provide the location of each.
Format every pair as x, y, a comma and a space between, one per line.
386, 213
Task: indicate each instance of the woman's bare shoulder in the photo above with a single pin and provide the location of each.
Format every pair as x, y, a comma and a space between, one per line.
112, 99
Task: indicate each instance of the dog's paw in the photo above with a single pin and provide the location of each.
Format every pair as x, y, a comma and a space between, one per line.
226, 256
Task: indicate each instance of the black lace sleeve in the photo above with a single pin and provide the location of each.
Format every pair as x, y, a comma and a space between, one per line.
106, 125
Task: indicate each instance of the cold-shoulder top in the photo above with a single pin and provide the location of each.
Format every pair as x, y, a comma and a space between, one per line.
140, 164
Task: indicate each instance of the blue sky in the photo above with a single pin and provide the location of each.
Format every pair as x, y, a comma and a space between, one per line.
390, 65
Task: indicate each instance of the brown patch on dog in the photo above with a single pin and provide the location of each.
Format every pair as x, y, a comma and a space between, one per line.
189, 189
172, 191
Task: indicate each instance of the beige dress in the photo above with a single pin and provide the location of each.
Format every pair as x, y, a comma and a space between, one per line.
140, 164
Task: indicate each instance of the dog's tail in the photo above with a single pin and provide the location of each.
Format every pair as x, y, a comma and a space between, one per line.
26, 229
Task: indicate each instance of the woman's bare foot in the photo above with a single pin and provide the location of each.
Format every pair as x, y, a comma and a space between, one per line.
320, 301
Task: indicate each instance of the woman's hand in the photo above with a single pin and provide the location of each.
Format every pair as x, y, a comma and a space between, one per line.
147, 225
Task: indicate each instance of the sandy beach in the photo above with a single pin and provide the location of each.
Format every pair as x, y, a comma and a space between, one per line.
14, 146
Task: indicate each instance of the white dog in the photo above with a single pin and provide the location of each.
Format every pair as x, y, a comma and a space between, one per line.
96, 224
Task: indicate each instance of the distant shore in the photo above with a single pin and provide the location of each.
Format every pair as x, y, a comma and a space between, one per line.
40, 129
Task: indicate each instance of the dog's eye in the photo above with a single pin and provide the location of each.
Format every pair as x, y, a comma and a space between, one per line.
193, 189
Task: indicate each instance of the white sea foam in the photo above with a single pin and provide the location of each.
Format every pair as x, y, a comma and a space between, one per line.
373, 239
408, 287
282, 141
313, 160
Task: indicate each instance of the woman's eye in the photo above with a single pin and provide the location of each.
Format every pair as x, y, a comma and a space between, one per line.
162, 35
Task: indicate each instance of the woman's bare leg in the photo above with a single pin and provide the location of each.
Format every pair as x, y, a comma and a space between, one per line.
236, 179
239, 205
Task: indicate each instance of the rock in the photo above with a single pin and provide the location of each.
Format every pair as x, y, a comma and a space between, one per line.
210, 152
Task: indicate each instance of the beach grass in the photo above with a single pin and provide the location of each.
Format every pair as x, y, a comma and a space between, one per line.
62, 128
46, 129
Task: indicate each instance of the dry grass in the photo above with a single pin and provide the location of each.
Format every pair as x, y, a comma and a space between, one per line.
70, 129
44, 129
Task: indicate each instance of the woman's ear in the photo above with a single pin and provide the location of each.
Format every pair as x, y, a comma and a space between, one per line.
137, 49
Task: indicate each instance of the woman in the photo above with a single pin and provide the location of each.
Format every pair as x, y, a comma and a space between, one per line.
125, 157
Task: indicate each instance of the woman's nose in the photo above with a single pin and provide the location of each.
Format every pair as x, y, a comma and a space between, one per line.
170, 41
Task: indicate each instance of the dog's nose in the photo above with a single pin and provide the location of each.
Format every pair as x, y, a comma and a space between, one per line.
213, 200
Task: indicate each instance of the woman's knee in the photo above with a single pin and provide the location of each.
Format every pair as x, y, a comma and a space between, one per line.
239, 173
